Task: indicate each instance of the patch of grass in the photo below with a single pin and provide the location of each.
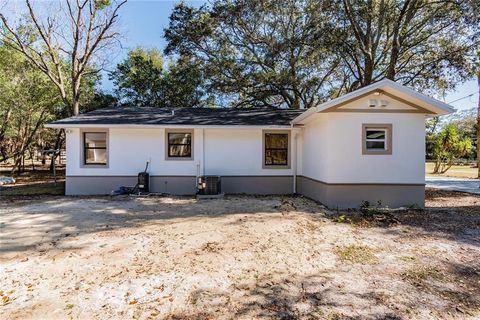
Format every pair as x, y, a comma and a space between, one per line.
421, 273
35, 189
454, 172
367, 220
356, 254
407, 258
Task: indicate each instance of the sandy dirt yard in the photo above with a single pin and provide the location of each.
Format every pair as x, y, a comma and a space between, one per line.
237, 258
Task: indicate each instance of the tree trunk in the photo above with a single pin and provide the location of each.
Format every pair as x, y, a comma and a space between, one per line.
58, 144
76, 107
33, 161
478, 126
437, 165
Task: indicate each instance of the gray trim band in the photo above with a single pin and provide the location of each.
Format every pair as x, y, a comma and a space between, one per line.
180, 185
257, 184
361, 183
333, 195
98, 185
115, 176
344, 196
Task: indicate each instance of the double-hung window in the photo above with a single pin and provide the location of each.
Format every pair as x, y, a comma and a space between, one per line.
179, 145
95, 151
276, 151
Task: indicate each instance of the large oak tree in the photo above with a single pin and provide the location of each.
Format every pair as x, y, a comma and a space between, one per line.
299, 53
259, 52
419, 43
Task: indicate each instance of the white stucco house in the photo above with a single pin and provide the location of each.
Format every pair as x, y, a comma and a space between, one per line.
368, 145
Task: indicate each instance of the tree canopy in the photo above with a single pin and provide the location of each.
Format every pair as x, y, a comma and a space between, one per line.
28, 100
259, 52
300, 53
448, 147
64, 42
142, 79
424, 44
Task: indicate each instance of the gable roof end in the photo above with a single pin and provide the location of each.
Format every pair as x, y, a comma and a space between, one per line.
430, 105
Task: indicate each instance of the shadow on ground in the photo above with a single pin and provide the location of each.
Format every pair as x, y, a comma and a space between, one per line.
46, 219
428, 283
323, 297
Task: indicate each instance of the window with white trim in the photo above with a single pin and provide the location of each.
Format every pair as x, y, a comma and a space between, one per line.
377, 139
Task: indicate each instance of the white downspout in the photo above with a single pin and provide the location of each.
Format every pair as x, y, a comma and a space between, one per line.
295, 134
203, 151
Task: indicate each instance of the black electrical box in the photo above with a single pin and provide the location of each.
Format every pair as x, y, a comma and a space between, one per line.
143, 182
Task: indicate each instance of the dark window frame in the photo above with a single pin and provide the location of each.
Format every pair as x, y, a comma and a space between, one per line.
84, 162
168, 156
287, 150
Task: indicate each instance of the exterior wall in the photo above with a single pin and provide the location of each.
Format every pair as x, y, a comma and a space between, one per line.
333, 149
235, 154
315, 147
91, 185
128, 152
330, 165
336, 172
257, 184
347, 164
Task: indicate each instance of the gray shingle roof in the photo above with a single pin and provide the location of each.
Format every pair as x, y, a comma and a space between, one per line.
128, 115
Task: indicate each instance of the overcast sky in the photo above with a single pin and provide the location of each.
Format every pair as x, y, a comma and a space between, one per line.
142, 23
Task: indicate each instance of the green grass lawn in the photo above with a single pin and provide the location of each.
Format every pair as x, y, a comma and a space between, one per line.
453, 172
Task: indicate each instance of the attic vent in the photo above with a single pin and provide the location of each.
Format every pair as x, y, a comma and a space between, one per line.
372, 103
383, 103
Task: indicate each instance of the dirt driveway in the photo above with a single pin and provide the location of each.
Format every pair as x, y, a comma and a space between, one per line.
237, 258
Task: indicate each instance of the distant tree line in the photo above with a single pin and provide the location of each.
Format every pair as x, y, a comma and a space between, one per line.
49, 69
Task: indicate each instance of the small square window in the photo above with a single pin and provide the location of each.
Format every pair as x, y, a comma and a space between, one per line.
377, 139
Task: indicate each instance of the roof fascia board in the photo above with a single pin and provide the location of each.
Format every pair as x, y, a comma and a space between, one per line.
434, 102
304, 115
163, 126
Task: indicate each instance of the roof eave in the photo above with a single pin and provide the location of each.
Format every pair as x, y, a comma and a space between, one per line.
160, 126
